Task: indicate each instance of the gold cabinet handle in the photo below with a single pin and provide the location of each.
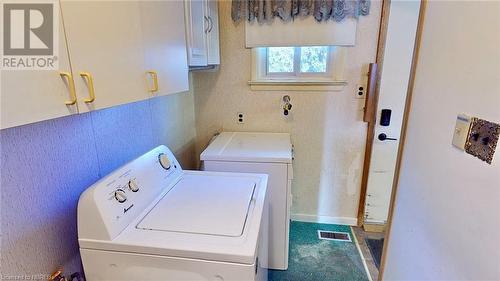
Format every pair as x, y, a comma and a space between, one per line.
154, 76
71, 85
90, 85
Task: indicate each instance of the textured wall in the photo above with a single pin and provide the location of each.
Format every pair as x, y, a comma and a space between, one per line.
45, 166
326, 127
446, 222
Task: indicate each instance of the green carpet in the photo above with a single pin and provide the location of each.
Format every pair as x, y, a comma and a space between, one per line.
312, 259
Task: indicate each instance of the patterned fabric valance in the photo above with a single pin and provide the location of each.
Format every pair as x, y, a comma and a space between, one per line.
286, 10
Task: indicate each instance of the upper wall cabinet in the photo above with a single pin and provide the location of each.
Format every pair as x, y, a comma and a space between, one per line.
106, 52
110, 53
164, 40
28, 96
202, 29
213, 32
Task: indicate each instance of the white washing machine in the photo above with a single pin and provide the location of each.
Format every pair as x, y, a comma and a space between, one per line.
267, 153
150, 220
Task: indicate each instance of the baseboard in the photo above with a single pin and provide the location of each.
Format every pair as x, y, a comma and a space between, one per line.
325, 219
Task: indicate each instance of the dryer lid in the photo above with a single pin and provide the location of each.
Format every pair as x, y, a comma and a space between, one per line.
250, 147
208, 204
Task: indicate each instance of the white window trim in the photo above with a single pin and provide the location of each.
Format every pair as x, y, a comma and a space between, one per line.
334, 81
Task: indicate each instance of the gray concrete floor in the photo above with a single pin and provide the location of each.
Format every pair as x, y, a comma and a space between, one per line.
361, 235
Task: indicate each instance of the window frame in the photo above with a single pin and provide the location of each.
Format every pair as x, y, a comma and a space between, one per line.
333, 80
297, 55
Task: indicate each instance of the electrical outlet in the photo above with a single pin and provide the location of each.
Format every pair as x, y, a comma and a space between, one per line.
360, 91
240, 117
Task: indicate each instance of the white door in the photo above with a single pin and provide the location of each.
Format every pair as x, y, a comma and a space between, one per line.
28, 96
213, 32
197, 24
164, 42
104, 40
398, 53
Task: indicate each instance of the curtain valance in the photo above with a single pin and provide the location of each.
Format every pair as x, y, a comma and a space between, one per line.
287, 10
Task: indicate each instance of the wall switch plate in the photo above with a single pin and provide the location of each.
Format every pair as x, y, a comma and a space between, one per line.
360, 91
482, 139
462, 127
240, 118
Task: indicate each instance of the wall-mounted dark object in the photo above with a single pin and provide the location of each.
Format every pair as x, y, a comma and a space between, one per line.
482, 139
385, 117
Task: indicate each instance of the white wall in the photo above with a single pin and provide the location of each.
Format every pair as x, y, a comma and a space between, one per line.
446, 224
326, 127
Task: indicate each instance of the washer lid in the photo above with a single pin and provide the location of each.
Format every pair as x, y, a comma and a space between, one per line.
212, 205
250, 147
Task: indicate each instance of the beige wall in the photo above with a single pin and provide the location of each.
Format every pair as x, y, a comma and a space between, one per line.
326, 127
447, 218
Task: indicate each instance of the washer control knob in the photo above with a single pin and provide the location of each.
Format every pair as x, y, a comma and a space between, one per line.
133, 186
164, 161
120, 195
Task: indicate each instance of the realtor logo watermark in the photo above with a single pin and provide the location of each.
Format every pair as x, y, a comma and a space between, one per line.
30, 35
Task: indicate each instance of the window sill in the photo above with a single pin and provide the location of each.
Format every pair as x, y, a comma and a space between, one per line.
297, 85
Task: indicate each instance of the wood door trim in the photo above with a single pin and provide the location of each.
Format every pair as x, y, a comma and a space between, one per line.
408, 103
370, 132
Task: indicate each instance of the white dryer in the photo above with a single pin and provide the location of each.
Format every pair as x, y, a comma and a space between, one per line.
150, 220
266, 153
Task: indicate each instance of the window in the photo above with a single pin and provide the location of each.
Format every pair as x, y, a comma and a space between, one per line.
316, 68
297, 61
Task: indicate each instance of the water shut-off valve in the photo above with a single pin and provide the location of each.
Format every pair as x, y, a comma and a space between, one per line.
287, 106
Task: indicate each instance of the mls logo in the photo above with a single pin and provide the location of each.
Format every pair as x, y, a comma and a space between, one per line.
30, 34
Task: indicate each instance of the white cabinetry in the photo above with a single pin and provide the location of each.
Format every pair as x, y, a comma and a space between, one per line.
28, 96
213, 32
114, 52
165, 45
202, 30
104, 40
196, 26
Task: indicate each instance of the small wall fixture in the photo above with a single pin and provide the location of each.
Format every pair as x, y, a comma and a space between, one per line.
482, 139
287, 105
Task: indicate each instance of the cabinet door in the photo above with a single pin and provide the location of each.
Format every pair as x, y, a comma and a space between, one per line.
28, 96
196, 29
164, 40
104, 39
213, 32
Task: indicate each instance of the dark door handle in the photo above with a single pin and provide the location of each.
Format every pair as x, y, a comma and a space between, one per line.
384, 137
